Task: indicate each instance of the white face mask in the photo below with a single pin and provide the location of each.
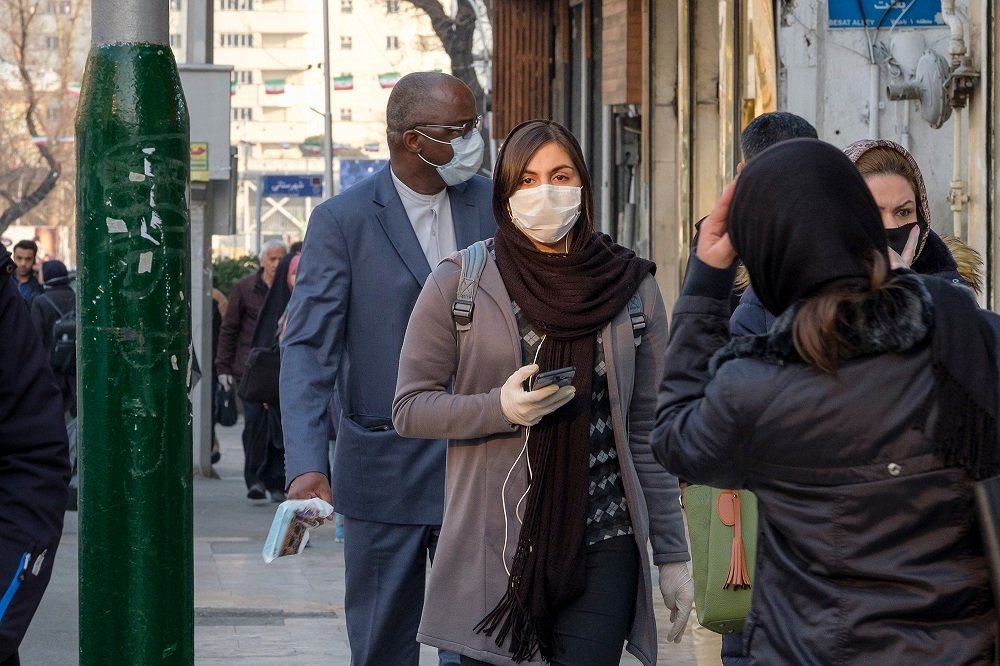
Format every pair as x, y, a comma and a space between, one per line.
546, 213
467, 158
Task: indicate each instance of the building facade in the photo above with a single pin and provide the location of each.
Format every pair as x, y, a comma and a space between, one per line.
277, 97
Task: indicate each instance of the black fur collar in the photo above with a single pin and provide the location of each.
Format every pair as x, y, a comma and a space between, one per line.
895, 318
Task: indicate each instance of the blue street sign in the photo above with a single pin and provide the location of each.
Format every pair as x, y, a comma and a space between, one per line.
291, 186
885, 13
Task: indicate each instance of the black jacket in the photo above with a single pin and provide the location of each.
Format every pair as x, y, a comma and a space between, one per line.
58, 297
868, 548
34, 465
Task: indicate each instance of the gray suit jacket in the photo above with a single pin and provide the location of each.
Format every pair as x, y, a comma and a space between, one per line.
360, 274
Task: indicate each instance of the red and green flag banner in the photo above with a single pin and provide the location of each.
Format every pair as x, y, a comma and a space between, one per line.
39, 139
343, 82
310, 149
233, 85
371, 147
73, 89
274, 86
388, 79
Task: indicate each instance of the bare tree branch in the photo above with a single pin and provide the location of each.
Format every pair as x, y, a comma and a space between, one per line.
456, 36
39, 111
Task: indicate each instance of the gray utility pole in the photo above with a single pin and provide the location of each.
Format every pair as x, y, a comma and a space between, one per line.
327, 111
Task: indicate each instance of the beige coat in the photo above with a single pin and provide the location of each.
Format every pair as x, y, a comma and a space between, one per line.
468, 576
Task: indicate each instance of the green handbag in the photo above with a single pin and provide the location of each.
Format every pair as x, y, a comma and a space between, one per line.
722, 529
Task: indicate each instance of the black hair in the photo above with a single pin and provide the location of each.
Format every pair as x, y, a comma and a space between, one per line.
768, 129
26, 245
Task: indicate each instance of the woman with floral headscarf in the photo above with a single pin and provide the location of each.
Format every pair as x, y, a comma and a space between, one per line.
897, 185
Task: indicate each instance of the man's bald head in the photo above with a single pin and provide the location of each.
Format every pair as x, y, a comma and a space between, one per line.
419, 98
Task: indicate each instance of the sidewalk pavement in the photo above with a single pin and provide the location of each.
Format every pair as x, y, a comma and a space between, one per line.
247, 612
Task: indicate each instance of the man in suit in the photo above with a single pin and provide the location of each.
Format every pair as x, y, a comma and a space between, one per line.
366, 255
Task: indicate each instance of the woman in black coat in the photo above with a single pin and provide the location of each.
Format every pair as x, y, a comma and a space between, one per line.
860, 420
34, 467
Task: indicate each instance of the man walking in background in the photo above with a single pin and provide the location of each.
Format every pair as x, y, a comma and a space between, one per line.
25, 253
235, 337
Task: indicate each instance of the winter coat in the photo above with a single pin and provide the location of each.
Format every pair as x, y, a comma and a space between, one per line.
34, 466
58, 294
45, 308
236, 334
868, 549
468, 576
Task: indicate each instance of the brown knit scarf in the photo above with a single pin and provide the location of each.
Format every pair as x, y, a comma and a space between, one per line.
568, 297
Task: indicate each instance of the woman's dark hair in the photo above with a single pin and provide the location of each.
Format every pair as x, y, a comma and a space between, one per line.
518, 148
818, 325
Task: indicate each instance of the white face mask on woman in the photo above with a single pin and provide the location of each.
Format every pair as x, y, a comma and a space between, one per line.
546, 213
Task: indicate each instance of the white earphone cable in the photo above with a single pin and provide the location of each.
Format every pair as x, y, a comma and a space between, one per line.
503, 487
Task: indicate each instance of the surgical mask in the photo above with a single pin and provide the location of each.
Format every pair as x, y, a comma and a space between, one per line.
467, 158
896, 238
546, 213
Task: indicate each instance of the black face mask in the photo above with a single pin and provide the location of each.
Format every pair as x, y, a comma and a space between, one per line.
897, 237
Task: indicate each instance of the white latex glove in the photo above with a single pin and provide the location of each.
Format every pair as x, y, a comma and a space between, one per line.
528, 407
677, 589
226, 381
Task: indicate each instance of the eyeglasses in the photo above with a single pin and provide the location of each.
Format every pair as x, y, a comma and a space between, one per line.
464, 130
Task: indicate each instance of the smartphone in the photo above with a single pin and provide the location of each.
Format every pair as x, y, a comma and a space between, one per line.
560, 377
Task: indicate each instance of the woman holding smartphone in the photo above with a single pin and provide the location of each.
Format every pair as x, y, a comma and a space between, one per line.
543, 551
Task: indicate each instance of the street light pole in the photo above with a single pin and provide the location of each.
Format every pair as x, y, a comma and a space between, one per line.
327, 115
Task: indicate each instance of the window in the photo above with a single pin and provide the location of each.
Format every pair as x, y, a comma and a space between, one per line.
346, 6
242, 113
243, 76
236, 39
391, 43
234, 5
346, 115
391, 6
175, 5
345, 42
51, 42
175, 40
52, 115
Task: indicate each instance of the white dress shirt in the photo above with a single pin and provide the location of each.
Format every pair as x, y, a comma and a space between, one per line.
430, 216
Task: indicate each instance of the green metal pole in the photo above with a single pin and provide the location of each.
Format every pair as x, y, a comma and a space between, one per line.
136, 541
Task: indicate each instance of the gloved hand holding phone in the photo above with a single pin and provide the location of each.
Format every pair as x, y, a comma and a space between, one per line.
527, 408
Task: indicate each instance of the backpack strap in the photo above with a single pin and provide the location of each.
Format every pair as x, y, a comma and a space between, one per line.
637, 316
54, 306
473, 263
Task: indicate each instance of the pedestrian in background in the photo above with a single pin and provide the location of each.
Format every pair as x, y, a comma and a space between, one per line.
897, 185
366, 254
34, 467
860, 420
24, 277
56, 300
268, 438
235, 335
552, 495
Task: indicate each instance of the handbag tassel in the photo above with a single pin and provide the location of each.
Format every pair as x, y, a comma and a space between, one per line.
739, 577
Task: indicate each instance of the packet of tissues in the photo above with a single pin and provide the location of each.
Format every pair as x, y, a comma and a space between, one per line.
290, 528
